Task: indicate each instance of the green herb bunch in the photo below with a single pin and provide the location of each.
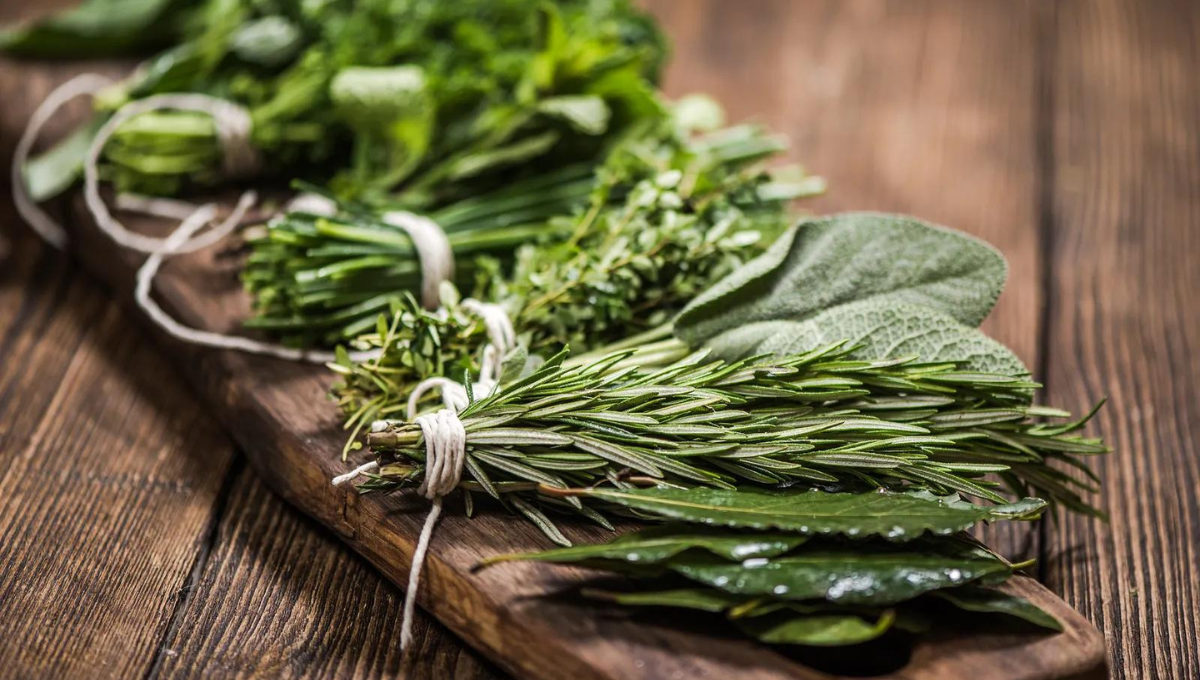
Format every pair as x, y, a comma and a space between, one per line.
813, 420
809, 568
412, 100
323, 280
671, 215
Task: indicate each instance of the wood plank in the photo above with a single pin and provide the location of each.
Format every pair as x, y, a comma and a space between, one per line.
290, 432
49, 313
1124, 322
927, 108
281, 598
108, 475
279, 415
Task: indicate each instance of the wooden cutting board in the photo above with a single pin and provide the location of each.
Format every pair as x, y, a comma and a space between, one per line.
518, 614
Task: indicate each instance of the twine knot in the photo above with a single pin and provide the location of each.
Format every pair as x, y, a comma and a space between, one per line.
445, 452
445, 437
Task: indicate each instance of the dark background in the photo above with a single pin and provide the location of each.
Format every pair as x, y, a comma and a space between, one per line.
133, 541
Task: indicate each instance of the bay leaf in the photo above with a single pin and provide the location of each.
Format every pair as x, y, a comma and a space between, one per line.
992, 601
700, 599
858, 574
815, 630
658, 544
893, 516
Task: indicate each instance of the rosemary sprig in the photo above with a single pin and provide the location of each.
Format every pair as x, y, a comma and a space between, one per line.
817, 420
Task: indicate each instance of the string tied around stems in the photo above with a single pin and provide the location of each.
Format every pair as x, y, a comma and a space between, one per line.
239, 158
445, 452
502, 338
445, 439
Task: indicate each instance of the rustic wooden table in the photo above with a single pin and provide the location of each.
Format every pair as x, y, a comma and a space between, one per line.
133, 541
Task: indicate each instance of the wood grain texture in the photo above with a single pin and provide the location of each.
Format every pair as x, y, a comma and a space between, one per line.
921, 107
279, 597
111, 477
941, 109
108, 473
1125, 321
279, 415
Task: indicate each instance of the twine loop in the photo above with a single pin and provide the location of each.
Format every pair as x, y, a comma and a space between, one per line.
433, 251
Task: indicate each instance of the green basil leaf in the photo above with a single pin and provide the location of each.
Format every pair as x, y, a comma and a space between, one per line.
894, 516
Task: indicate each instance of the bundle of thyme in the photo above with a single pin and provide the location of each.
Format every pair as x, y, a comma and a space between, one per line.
604, 251
671, 216
814, 420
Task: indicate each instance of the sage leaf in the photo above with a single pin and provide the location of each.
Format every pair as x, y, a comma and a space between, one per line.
896, 330
894, 284
893, 516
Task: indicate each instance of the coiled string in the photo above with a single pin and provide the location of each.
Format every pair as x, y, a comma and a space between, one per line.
239, 158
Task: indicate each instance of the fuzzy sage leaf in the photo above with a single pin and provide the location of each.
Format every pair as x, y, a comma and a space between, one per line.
892, 285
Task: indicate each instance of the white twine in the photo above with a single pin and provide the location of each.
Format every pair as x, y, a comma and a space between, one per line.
239, 158
315, 204
171, 246
433, 251
37, 219
445, 451
445, 438
156, 206
361, 469
502, 337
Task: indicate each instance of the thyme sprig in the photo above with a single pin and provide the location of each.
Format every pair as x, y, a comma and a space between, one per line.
812, 420
599, 251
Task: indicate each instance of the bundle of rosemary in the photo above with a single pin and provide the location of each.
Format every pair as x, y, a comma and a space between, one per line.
832, 400
814, 420
423, 102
